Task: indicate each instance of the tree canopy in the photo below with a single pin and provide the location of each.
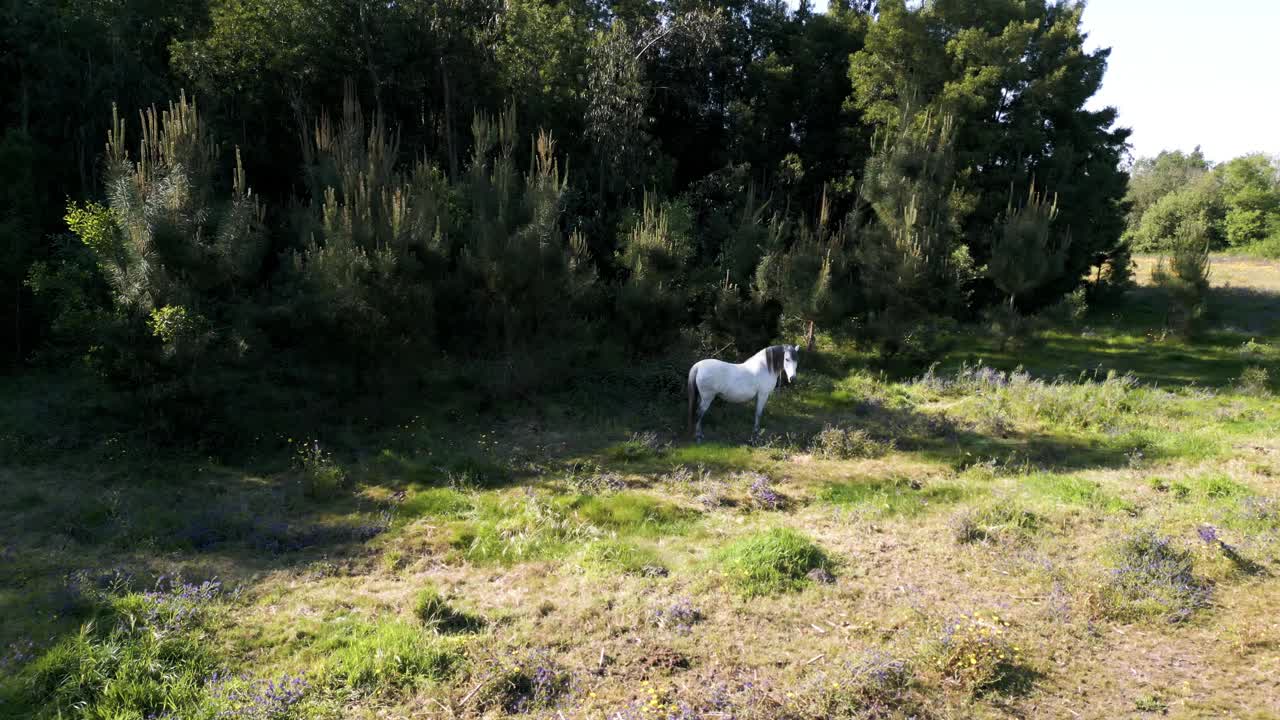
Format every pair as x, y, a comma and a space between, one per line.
347, 182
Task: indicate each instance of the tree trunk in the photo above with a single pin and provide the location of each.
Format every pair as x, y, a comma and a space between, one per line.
809, 339
17, 321
448, 121
368, 60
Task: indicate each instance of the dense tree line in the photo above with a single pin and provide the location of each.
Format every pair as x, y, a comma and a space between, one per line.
339, 189
1237, 202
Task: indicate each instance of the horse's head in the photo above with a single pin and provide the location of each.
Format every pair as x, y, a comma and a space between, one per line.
790, 362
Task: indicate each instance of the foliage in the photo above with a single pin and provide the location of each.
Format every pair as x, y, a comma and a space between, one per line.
772, 561
1025, 255
975, 653
322, 477
386, 654
1199, 202
737, 171
138, 654
1154, 577
840, 443
1184, 274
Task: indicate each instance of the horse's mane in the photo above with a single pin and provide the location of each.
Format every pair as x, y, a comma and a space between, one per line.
773, 357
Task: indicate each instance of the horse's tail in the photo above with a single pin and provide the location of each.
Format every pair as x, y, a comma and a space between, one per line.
693, 394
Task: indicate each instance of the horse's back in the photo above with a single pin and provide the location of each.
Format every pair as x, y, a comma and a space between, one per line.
717, 377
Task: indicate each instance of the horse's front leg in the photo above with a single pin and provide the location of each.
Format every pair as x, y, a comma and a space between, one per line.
761, 399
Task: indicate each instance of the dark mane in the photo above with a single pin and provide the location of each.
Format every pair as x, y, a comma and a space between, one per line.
773, 357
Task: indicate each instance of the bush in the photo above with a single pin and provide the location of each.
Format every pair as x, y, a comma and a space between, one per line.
874, 686
1152, 577
1184, 274
995, 523
322, 477
975, 654
777, 560
524, 681
839, 443
1255, 380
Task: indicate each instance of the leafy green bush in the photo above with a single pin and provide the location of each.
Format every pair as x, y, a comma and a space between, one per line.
773, 561
1255, 380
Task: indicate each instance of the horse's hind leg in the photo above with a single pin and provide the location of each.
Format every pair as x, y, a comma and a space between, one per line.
703, 405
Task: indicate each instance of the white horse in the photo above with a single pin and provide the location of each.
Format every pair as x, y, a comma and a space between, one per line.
753, 379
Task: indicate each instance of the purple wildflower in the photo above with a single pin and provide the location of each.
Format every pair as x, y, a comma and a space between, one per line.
262, 699
680, 617
763, 494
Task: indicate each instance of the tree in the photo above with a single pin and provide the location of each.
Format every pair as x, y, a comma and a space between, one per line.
1015, 78
1151, 179
1026, 254
1201, 200
911, 261
1251, 198
650, 305
1183, 271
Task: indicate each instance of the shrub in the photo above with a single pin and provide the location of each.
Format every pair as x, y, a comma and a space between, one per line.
524, 681
678, 617
762, 493
1184, 274
975, 654
1255, 380
844, 443
322, 477
773, 561
999, 522
1152, 577
876, 685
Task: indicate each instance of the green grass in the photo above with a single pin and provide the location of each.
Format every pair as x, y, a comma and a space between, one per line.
559, 530
894, 496
435, 503
386, 654
771, 561
615, 555
1074, 490
632, 513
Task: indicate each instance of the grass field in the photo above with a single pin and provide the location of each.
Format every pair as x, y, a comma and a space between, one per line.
1085, 524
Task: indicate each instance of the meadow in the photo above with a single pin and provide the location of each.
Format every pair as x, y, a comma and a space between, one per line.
1081, 523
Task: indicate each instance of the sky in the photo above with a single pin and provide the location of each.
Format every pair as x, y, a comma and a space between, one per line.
1188, 72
